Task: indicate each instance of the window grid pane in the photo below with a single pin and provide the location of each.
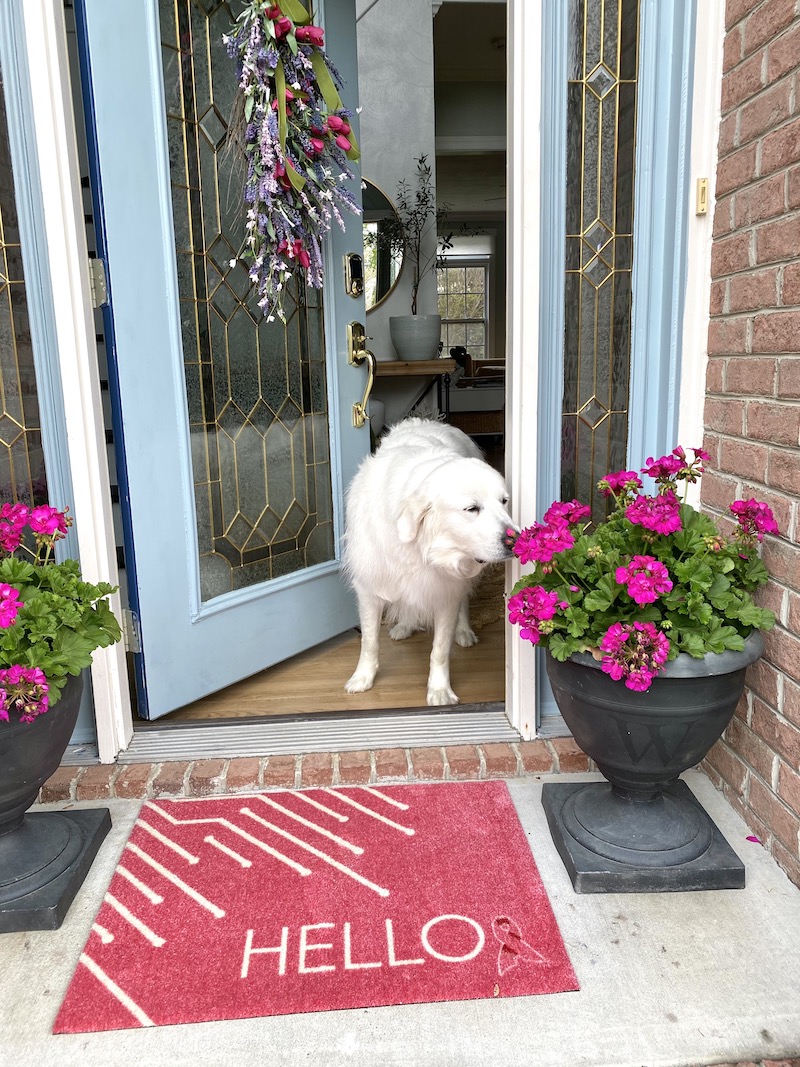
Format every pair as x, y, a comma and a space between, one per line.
462, 305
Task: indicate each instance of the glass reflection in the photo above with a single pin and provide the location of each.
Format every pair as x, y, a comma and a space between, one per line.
383, 259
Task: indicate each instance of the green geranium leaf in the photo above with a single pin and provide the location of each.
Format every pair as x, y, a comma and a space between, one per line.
559, 648
578, 620
692, 643
597, 601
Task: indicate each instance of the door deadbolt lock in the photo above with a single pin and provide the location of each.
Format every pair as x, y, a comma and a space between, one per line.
353, 274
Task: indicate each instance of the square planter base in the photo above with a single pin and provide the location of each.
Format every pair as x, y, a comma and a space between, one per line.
45, 908
718, 868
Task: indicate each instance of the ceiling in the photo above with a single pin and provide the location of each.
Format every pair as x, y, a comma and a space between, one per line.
469, 42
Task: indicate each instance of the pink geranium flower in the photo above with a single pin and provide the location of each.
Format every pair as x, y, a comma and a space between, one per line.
755, 519
570, 513
661, 513
23, 690
530, 608
13, 520
48, 521
634, 652
645, 578
620, 482
9, 605
665, 468
539, 543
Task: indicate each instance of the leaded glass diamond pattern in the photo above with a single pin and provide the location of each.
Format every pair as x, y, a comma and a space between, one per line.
597, 235
601, 134
597, 270
22, 470
593, 413
256, 390
601, 80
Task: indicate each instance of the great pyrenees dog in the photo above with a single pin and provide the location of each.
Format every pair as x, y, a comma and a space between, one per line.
425, 514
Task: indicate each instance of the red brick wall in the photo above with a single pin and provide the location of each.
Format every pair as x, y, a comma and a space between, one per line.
752, 412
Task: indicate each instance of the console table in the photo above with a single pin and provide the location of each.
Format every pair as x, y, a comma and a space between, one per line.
441, 369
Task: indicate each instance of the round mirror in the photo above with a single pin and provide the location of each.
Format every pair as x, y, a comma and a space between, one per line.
383, 260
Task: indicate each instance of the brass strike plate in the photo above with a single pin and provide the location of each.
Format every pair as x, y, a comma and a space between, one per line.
701, 206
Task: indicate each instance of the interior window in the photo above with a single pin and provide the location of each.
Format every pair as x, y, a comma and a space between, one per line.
463, 287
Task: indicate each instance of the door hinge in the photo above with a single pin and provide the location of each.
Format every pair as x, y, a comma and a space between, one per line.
97, 282
131, 631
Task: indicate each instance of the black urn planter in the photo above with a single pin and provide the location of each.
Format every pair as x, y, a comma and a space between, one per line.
643, 830
44, 857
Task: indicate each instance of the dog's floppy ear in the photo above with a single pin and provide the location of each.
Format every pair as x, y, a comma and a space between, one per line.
411, 516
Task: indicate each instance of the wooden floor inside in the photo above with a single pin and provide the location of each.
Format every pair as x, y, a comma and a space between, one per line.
314, 681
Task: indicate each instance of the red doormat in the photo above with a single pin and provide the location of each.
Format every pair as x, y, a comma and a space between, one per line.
281, 902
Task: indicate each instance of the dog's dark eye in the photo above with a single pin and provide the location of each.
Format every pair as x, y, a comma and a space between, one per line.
504, 501
473, 509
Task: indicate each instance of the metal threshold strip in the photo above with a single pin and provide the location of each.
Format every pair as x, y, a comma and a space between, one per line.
298, 735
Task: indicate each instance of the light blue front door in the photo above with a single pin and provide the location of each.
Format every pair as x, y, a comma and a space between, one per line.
236, 435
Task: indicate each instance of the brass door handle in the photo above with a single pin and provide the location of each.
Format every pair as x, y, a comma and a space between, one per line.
360, 415
357, 353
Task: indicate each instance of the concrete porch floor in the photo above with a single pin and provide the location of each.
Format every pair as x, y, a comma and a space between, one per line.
667, 980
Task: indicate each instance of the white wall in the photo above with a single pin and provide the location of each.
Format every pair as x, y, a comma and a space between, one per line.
395, 86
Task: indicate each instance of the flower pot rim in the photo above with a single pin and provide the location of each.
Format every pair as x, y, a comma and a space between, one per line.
408, 315
686, 666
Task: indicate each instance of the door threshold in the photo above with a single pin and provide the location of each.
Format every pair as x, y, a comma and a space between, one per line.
322, 732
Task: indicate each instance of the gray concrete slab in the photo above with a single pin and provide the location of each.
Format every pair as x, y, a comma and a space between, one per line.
667, 980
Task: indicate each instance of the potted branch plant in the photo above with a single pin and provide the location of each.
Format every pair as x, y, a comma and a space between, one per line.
649, 623
414, 230
51, 622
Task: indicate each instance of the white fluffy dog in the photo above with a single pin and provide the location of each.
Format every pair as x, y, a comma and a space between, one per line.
425, 514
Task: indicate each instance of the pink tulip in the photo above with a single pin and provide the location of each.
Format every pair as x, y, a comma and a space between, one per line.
289, 97
294, 250
311, 34
281, 24
281, 175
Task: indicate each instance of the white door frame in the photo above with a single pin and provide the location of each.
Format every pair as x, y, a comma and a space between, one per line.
523, 227
56, 146
525, 273
68, 264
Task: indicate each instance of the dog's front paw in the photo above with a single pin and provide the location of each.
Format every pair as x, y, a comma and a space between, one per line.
466, 637
359, 683
439, 697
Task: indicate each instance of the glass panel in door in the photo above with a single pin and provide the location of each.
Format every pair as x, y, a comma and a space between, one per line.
256, 390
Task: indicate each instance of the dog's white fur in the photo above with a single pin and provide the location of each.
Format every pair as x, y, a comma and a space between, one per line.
425, 514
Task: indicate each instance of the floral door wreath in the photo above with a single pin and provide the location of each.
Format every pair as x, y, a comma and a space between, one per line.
298, 145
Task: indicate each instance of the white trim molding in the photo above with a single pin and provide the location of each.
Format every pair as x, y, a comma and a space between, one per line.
464, 145
523, 314
59, 176
706, 113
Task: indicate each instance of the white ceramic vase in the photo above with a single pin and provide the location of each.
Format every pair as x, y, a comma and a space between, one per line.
416, 336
